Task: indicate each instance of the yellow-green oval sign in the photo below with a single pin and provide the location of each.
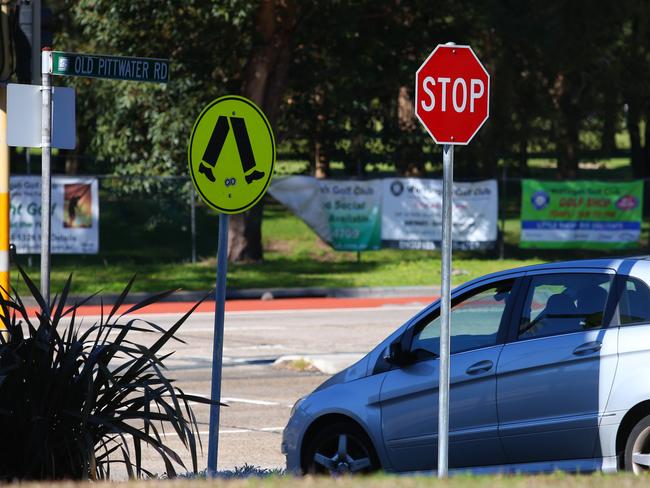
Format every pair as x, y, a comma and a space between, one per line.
231, 154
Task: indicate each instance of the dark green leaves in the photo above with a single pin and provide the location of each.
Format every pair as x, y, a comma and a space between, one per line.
76, 400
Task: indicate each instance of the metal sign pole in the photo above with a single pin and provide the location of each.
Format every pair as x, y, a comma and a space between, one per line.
217, 346
46, 175
445, 311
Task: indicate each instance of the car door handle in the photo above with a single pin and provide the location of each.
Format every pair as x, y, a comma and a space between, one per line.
587, 348
480, 367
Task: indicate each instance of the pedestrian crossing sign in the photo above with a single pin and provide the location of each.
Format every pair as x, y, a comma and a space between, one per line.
231, 154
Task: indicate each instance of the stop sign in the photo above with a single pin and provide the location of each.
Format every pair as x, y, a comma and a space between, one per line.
452, 94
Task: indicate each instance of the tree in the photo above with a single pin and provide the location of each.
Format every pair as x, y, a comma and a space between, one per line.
264, 82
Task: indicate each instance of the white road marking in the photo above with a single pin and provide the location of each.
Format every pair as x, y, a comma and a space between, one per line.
233, 431
249, 401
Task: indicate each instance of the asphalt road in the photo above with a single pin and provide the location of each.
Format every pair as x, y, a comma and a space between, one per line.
259, 394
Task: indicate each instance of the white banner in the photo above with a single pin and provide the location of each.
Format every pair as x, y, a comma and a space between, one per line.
345, 214
403, 213
412, 214
75, 215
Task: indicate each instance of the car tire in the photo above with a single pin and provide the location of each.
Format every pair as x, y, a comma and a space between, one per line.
636, 457
339, 449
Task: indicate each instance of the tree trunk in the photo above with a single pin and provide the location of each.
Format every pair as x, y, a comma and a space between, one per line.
408, 160
646, 147
321, 161
264, 82
568, 145
636, 150
566, 98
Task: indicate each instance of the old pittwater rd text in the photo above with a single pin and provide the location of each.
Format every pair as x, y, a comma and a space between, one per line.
111, 67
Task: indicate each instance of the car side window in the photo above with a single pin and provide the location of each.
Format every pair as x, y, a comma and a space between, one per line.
564, 303
634, 302
475, 321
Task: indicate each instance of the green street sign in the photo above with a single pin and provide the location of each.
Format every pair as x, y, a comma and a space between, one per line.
110, 67
231, 154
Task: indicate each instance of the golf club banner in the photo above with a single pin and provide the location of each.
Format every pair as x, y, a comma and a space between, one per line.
581, 214
75, 215
402, 213
345, 214
412, 214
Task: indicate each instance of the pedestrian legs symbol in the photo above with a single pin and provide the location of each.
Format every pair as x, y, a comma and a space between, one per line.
215, 146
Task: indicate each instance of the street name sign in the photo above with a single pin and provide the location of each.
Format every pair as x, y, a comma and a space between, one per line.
452, 94
110, 67
231, 154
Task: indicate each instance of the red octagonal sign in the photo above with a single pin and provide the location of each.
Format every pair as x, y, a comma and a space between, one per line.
452, 94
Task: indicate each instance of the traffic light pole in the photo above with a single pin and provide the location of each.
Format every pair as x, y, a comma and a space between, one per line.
445, 311
6, 70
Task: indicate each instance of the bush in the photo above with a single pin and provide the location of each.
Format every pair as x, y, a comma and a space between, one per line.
77, 400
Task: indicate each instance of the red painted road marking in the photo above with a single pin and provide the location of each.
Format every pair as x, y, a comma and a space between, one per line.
262, 305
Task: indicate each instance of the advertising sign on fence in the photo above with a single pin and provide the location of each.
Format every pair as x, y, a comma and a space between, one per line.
412, 214
403, 213
581, 214
345, 214
75, 215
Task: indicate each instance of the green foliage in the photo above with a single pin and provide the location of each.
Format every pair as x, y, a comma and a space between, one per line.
561, 73
142, 128
76, 400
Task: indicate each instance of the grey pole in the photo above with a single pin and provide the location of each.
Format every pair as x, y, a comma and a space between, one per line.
46, 175
217, 346
193, 223
445, 311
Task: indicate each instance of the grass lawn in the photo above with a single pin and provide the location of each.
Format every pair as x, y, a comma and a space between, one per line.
387, 481
294, 257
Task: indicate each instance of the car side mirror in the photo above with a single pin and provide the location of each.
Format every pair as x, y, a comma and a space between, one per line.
395, 354
399, 351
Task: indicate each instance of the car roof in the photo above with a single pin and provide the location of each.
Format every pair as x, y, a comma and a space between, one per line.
615, 263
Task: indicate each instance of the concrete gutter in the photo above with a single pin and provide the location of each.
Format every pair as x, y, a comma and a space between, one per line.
270, 293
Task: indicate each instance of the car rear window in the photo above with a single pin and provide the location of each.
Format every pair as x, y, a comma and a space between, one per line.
564, 303
634, 303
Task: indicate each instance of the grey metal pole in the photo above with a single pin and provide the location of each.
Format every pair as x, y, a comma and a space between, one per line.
193, 223
217, 346
46, 175
445, 311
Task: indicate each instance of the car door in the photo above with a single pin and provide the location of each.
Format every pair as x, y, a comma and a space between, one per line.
555, 374
409, 394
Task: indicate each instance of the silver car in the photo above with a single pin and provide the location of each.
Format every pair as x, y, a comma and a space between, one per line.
550, 369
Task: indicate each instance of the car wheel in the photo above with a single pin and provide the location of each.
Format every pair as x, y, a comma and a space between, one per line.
338, 449
637, 448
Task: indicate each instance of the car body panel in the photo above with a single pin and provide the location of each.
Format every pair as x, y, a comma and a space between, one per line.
411, 440
604, 385
550, 399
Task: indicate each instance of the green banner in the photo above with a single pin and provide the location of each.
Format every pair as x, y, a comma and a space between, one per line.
352, 209
581, 214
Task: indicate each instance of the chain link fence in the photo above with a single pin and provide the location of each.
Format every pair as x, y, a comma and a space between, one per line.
161, 219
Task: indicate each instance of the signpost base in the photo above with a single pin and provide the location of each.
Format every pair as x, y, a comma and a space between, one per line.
217, 346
